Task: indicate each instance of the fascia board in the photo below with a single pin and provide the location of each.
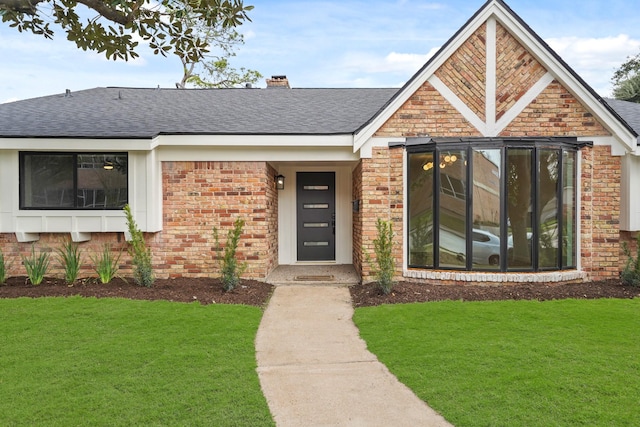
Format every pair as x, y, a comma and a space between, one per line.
423, 75
74, 144
345, 140
566, 78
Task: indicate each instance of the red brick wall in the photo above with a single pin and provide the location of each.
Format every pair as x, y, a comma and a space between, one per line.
197, 196
464, 72
356, 191
600, 213
380, 190
516, 71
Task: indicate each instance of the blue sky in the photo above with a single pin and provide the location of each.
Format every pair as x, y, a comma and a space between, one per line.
347, 43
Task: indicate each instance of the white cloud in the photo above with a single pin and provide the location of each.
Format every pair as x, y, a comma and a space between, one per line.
394, 62
595, 59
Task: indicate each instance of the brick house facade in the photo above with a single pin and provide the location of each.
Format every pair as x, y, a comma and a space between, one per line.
495, 83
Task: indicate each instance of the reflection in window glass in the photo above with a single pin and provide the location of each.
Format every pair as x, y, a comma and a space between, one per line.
100, 187
73, 181
516, 212
519, 202
421, 168
486, 209
569, 210
47, 181
452, 166
548, 233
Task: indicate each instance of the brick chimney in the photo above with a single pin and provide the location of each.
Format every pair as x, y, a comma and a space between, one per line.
278, 82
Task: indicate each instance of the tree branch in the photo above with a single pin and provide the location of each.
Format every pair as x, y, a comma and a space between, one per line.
23, 6
110, 13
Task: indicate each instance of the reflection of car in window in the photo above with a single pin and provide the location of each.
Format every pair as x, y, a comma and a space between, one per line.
486, 247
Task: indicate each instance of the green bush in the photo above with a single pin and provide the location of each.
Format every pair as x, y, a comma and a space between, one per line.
140, 253
230, 269
71, 259
106, 265
631, 272
3, 268
384, 268
36, 266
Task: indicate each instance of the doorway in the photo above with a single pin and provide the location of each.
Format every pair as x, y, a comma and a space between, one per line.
316, 216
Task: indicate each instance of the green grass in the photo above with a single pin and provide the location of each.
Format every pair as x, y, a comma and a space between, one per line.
515, 363
111, 362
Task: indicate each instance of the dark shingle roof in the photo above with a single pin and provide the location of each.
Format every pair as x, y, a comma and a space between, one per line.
628, 111
145, 113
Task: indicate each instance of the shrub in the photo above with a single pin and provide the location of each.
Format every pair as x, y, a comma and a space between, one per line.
384, 268
71, 259
106, 265
36, 266
140, 253
631, 272
3, 268
230, 269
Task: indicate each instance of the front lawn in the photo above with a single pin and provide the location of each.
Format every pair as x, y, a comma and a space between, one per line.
515, 363
115, 362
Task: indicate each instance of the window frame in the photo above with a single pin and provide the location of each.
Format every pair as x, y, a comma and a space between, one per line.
75, 155
438, 146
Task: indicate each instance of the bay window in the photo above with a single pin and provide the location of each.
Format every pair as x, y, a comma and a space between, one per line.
492, 204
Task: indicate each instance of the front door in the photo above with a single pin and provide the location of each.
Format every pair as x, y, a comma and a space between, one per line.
316, 212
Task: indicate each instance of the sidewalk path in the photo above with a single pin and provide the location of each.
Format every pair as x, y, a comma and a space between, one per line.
315, 369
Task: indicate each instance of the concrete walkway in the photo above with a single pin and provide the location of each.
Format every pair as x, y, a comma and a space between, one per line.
315, 369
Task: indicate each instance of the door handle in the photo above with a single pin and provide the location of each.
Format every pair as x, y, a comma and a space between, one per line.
333, 223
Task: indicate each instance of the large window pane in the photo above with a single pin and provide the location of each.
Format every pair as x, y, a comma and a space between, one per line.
519, 203
452, 166
421, 168
516, 212
548, 232
486, 209
47, 181
73, 181
569, 210
102, 181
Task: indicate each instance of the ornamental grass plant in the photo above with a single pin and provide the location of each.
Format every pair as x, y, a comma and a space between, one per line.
70, 257
106, 264
37, 266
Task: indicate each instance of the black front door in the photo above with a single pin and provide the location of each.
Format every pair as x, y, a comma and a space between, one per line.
316, 216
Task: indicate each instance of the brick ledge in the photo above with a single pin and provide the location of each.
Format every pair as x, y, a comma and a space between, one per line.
487, 277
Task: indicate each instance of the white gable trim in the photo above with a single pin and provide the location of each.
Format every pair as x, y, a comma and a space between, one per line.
495, 10
522, 103
491, 81
419, 79
564, 76
458, 104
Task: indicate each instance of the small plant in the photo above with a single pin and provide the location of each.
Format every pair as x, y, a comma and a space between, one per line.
384, 268
631, 272
140, 253
230, 269
3, 269
71, 259
106, 265
36, 266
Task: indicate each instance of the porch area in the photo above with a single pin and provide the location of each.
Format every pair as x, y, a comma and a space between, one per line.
337, 275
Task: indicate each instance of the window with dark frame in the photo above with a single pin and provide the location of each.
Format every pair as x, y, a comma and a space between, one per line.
492, 205
73, 180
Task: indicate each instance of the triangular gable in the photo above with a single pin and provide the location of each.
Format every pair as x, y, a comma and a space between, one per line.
487, 98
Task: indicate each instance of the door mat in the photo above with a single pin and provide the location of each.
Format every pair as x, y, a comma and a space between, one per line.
329, 278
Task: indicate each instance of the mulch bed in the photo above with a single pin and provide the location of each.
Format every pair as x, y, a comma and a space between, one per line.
255, 293
406, 292
202, 290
